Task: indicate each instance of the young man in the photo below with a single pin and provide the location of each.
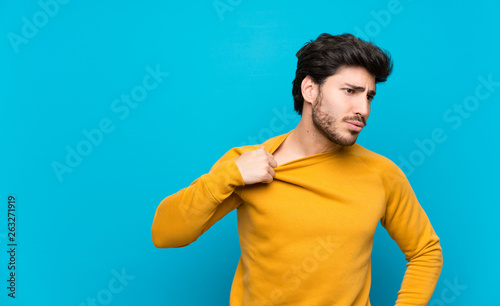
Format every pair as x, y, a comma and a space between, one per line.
309, 201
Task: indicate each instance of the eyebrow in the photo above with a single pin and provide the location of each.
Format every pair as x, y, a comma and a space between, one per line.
361, 88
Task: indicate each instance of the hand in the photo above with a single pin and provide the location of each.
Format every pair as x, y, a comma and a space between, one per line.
256, 166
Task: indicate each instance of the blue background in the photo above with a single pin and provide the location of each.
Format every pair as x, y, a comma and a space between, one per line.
229, 77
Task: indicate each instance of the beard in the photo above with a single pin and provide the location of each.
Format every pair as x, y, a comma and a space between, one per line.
325, 124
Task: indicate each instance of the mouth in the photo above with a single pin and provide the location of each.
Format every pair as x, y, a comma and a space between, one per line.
355, 125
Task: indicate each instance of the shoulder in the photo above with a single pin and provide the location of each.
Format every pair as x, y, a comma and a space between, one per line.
269, 145
237, 151
376, 163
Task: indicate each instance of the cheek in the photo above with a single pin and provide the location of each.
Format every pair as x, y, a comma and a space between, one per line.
338, 105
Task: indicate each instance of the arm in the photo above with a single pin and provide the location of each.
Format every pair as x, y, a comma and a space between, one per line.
407, 223
184, 216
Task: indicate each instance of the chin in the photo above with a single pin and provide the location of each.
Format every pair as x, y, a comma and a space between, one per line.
343, 142
346, 141
349, 144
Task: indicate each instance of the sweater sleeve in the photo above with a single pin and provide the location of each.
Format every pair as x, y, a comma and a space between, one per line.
407, 223
184, 216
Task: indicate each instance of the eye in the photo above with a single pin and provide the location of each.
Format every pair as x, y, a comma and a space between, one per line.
370, 97
349, 91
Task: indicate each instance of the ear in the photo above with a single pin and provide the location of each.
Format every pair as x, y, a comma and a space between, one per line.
309, 90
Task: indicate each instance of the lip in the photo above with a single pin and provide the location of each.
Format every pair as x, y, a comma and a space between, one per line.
355, 125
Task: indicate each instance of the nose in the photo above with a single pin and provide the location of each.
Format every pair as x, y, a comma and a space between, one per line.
362, 106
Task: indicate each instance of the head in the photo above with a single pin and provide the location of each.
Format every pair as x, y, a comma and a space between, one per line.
335, 81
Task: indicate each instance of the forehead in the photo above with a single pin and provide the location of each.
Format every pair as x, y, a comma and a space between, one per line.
357, 76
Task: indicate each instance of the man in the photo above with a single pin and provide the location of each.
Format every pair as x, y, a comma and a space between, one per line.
309, 201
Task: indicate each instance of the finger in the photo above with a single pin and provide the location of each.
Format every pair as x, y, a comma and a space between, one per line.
272, 162
271, 171
269, 155
269, 179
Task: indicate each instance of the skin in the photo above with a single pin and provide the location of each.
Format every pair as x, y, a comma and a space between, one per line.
324, 126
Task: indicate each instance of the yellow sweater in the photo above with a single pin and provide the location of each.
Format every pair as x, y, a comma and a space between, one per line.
306, 238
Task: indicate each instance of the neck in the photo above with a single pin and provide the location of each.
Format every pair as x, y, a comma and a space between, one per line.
306, 139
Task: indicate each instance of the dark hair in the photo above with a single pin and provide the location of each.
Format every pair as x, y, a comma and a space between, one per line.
321, 58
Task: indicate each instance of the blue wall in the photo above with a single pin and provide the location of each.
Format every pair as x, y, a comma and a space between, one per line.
203, 77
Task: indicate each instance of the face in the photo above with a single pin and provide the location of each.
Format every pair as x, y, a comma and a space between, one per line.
342, 106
